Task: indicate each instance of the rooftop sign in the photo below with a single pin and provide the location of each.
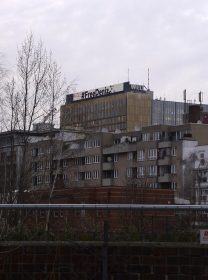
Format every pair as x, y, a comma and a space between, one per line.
108, 90
99, 92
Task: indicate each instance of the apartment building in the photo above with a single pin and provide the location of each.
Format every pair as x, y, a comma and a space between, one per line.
49, 157
157, 157
10, 160
154, 157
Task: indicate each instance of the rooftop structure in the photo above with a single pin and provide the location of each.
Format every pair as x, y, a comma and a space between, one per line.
122, 108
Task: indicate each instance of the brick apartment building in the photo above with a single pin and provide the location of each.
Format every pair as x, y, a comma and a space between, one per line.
155, 157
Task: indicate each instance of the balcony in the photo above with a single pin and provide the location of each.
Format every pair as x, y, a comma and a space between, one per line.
165, 144
164, 161
107, 182
120, 148
164, 178
108, 165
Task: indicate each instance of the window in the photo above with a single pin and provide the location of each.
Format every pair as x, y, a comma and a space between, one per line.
61, 213
152, 170
173, 151
156, 135
34, 181
201, 155
152, 154
87, 160
129, 156
56, 213
77, 161
95, 174
152, 185
55, 164
88, 144
115, 158
48, 164
34, 166
40, 165
129, 172
115, 173
65, 177
96, 143
34, 152
40, 151
140, 155
173, 169
47, 179
92, 143
117, 141
87, 175
145, 137
140, 171
65, 163
173, 185
39, 180
95, 159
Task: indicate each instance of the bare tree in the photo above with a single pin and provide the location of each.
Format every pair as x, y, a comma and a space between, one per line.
33, 95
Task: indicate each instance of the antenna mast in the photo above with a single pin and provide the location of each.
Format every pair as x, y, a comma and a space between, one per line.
148, 79
184, 99
200, 98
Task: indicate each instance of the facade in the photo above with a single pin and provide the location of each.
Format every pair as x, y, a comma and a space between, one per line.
195, 166
177, 113
167, 112
155, 158
12, 147
122, 107
10, 163
48, 157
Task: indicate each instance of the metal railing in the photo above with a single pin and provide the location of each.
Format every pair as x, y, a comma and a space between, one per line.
192, 207
125, 222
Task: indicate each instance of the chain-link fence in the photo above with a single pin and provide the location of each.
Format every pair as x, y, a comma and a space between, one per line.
93, 222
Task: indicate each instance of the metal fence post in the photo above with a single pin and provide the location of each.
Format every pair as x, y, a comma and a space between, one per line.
105, 252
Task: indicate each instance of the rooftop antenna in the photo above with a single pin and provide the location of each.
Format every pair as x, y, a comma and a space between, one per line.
200, 98
148, 79
200, 102
184, 99
128, 74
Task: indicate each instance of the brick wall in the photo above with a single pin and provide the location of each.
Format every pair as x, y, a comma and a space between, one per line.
83, 260
77, 220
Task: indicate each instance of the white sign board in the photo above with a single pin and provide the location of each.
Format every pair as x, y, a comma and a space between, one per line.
99, 92
203, 236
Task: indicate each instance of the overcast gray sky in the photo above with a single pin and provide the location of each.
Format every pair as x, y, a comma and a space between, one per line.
96, 41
